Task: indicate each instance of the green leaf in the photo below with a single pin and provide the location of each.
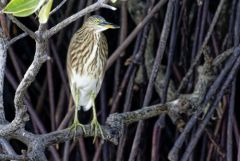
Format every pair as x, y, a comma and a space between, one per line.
45, 11
20, 5
24, 13
23, 8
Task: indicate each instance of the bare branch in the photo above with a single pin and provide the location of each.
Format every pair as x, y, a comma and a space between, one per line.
20, 25
74, 17
12, 157
115, 123
7, 147
58, 7
199, 54
134, 33
208, 80
3, 57
13, 40
23, 27
21, 116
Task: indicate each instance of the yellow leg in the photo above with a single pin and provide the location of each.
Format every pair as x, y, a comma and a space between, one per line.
94, 123
76, 123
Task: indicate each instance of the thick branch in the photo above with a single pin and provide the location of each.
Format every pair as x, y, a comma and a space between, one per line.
3, 56
7, 146
21, 116
74, 17
12, 157
115, 123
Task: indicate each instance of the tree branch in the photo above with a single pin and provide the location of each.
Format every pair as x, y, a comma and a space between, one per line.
134, 33
20, 114
3, 57
114, 127
115, 123
12, 157
52, 31
20, 25
13, 40
199, 54
58, 7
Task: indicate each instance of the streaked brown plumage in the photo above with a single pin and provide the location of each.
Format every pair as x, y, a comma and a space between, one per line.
79, 59
86, 61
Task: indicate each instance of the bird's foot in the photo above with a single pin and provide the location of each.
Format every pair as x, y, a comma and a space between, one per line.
74, 127
95, 127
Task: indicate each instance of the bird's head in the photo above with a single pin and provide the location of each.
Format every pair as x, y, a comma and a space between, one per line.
99, 24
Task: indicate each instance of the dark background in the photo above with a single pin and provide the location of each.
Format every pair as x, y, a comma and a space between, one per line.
48, 97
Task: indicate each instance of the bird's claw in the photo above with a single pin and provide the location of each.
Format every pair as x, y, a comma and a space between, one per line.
95, 126
74, 127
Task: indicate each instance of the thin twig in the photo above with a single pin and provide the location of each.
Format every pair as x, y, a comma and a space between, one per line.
197, 135
51, 93
58, 7
20, 25
134, 33
15, 39
199, 54
157, 62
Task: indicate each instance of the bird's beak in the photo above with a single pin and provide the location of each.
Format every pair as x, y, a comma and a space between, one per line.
109, 25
